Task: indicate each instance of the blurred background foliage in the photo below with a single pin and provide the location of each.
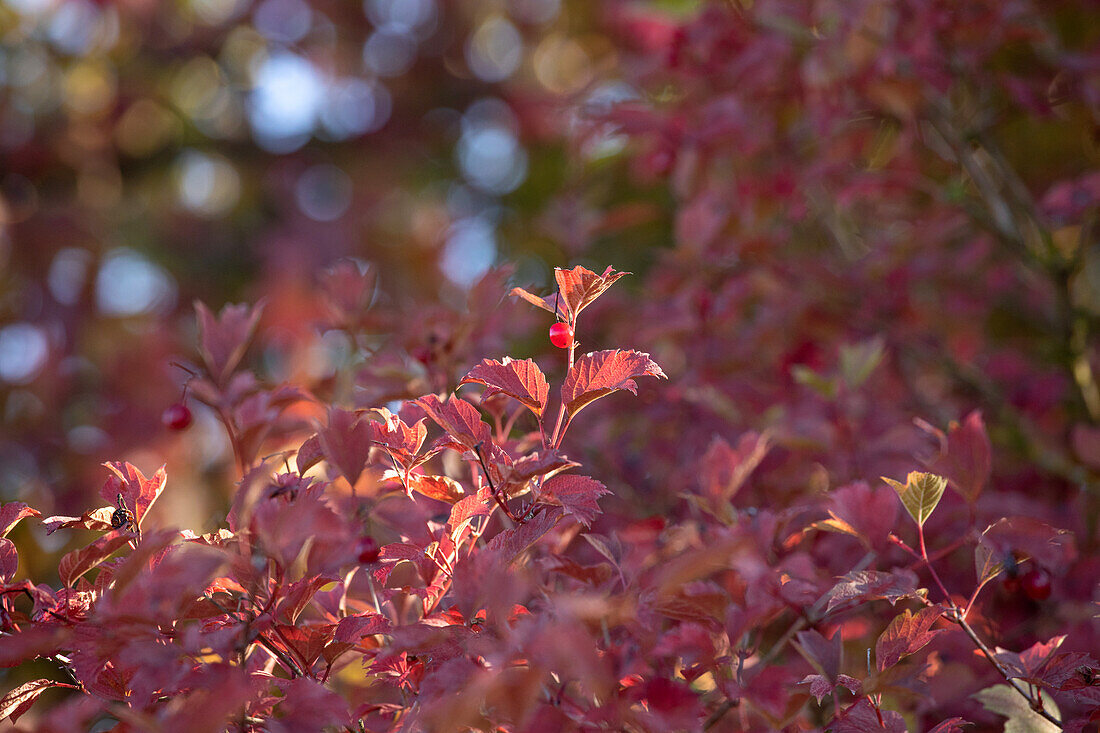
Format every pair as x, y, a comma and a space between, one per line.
800, 189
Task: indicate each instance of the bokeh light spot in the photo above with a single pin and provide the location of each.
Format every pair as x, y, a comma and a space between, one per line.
23, 352
130, 285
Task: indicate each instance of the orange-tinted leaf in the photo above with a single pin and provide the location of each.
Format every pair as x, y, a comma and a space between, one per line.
580, 286
459, 418
603, 372
577, 495
224, 339
522, 380
440, 488
11, 514
98, 520
513, 479
138, 492
906, 634
547, 304
465, 510
80, 561
19, 700
309, 454
969, 457
402, 442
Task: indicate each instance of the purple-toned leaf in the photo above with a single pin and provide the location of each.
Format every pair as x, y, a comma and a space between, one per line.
521, 380
869, 585
969, 457
459, 418
822, 654
600, 373
11, 514
309, 454
951, 725
1072, 670
224, 339
820, 686
511, 542
1025, 537
138, 492
864, 512
906, 634
577, 495
346, 443
580, 286
352, 629
862, 717
19, 700
9, 560
80, 561
1028, 664
297, 595
724, 470
32, 642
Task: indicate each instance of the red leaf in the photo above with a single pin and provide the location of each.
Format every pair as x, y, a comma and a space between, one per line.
522, 380
969, 457
9, 560
78, 562
309, 454
352, 629
346, 443
297, 595
12, 512
1029, 665
603, 372
514, 478
138, 492
1023, 537
871, 585
577, 495
547, 304
865, 512
580, 286
511, 542
823, 654
223, 340
906, 634
32, 642
459, 418
724, 469
440, 488
402, 442
19, 700
862, 717
951, 725
349, 289
820, 686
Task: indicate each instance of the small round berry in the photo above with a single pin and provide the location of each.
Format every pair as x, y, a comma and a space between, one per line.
1036, 584
561, 335
368, 550
176, 417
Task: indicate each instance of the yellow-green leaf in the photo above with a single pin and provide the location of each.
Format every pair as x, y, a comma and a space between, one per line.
919, 494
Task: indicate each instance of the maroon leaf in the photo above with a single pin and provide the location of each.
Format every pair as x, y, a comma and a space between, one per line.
542, 463
969, 457
580, 286
309, 454
12, 512
522, 380
465, 510
19, 700
862, 717
1023, 537
138, 492
9, 560
864, 512
906, 634
1028, 665
346, 443
402, 442
577, 495
80, 561
724, 469
951, 725
603, 372
869, 585
352, 629
98, 520
1072, 670
223, 340
822, 654
459, 418
298, 594
511, 542
32, 642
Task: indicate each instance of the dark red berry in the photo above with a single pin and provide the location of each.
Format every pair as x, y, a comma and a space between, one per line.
176, 417
1036, 584
561, 335
368, 551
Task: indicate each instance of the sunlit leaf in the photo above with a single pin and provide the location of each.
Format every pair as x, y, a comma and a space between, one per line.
920, 494
520, 379
600, 373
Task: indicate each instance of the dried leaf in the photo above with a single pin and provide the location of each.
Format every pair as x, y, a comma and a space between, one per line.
603, 372
522, 380
920, 493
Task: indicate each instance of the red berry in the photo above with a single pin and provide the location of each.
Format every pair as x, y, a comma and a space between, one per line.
368, 551
1036, 584
561, 335
176, 417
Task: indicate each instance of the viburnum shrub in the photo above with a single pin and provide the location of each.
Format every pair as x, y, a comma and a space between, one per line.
372, 579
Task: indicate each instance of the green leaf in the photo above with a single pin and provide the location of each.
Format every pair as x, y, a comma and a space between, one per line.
1006, 701
920, 493
859, 361
826, 387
